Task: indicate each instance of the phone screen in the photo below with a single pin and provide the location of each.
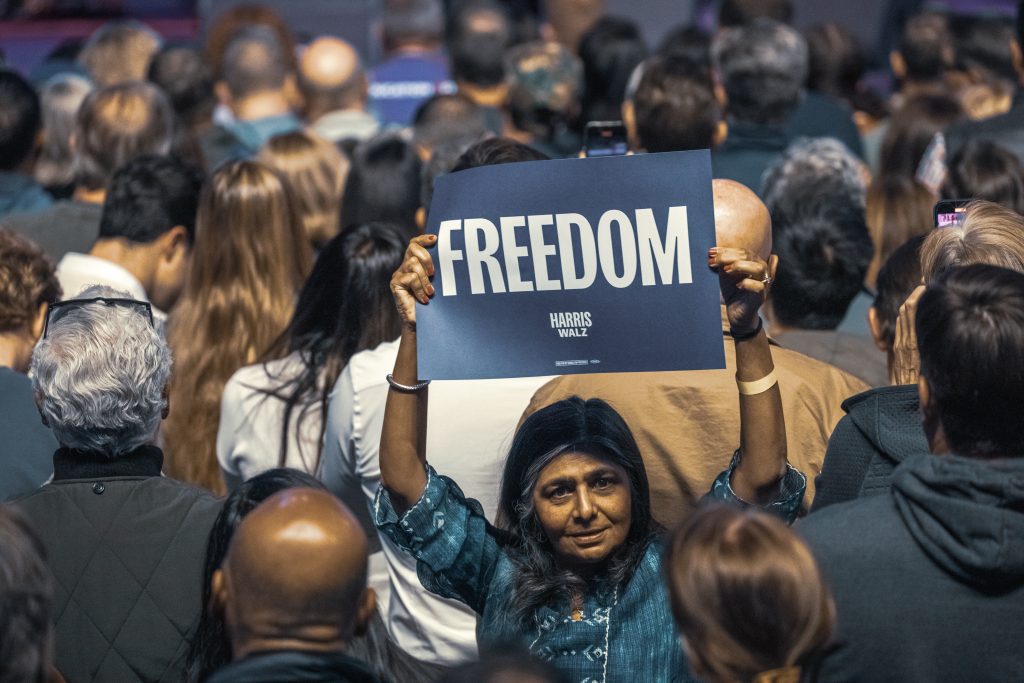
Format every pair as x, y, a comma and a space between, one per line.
950, 212
605, 138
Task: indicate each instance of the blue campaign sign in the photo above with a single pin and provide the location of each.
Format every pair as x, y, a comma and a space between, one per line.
573, 266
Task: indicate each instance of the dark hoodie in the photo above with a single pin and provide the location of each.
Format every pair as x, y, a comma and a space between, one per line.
928, 580
882, 428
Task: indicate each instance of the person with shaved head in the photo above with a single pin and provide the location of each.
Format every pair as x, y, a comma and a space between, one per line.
335, 89
678, 417
292, 591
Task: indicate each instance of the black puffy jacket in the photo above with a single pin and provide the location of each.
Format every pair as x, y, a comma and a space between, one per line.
126, 547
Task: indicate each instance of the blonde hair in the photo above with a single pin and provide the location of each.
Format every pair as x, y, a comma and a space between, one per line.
316, 171
119, 51
250, 259
990, 234
898, 209
748, 597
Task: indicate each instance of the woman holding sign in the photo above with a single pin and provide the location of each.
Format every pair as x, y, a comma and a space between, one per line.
574, 573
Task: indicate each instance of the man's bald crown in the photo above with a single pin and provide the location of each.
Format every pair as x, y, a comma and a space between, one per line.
329, 64
297, 561
742, 220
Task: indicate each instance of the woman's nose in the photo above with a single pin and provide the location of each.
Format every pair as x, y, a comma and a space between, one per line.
585, 510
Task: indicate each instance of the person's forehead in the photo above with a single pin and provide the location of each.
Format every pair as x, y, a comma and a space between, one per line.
576, 465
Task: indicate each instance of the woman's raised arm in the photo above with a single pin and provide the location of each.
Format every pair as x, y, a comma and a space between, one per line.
404, 437
744, 280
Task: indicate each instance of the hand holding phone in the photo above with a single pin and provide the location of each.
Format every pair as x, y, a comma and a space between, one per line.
950, 212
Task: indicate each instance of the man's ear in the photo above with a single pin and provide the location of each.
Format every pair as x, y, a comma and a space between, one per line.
173, 243
38, 322
773, 265
876, 330
219, 593
1018, 59
367, 604
220, 88
629, 121
898, 65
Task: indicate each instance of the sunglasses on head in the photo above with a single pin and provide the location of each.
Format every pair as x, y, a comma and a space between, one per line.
60, 309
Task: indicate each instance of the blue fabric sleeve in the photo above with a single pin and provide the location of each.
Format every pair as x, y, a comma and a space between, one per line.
787, 503
455, 546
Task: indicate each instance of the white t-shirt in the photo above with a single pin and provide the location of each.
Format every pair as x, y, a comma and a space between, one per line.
469, 430
249, 435
79, 271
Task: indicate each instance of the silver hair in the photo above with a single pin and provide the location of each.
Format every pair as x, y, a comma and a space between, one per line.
60, 98
816, 159
101, 373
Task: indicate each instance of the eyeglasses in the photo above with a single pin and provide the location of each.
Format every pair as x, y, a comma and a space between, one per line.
60, 309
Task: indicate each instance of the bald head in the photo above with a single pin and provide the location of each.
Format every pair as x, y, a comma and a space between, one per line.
295, 576
331, 77
742, 220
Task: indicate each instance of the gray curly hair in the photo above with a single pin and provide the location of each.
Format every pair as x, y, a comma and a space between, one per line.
808, 159
101, 373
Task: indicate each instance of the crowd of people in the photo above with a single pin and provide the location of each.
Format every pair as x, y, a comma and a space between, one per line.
219, 460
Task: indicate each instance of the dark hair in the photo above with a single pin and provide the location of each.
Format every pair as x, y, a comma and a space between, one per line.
478, 56
383, 184
674, 110
743, 12
970, 334
503, 665
572, 425
925, 45
983, 44
442, 160
210, 649
690, 46
444, 117
26, 593
610, 50
415, 20
254, 61
981, 169
911, 131
821, 237
20, 119
763, 67
836, 61
148, 196
897, 279
187, 80
117, 124
493, 151
344, 307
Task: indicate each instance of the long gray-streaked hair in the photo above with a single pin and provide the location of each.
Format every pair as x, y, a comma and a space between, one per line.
572, 425
101, 373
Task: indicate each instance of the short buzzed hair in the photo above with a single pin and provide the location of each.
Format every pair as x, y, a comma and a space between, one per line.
117, 124
763, 67
254, 62
926, 46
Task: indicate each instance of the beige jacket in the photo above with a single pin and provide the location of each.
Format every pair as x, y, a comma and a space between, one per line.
687, 424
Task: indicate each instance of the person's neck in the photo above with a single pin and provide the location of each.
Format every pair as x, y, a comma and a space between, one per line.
15, 351
412, 47
314, 114
261, 106
255, 645
129, 255
492, 96
87, 196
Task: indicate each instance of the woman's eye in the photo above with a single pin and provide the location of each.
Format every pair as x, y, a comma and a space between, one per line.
603, 483
559, 492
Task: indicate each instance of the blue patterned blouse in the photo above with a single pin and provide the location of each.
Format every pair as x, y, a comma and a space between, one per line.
626, 633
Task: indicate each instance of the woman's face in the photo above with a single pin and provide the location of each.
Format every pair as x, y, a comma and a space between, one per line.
583, 505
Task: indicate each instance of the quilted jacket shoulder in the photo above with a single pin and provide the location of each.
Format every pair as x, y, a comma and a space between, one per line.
127, 555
